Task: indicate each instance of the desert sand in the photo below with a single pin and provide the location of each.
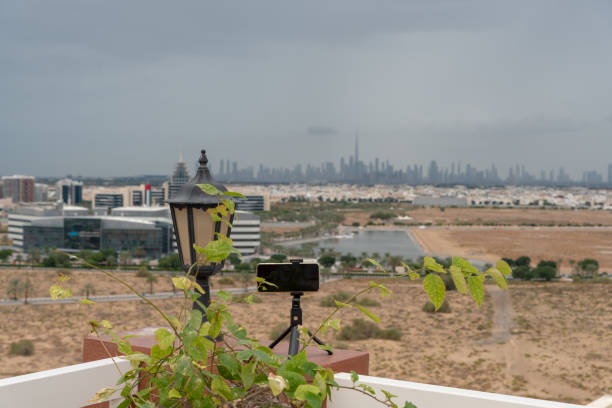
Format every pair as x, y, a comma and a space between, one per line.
554, 244
545, 340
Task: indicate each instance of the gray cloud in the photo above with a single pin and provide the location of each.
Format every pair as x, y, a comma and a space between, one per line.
321, 130
114, 88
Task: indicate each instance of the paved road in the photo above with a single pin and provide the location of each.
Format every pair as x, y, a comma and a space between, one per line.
111, 298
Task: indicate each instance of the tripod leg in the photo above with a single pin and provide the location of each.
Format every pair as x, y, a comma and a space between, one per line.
319, 342
279, 338
294, 344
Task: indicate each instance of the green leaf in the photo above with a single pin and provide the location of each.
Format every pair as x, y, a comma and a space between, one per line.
354, 377
368, 313
434, 287
319, 381
498, 277
476, 288
199, 348
247, 374
388, 395
103, 394
376, 264
195, 319
106, 324
303, 389
503, 267
87, 302
233, 194
384, 291
367, 388
219, 249
173, 393
182, 282
231, 206
164, 338
409, 405
341, 304
458, 278
204, 329
157, 353
124, 347
466, 267
209, 189
431, 264
220, 387
225, 296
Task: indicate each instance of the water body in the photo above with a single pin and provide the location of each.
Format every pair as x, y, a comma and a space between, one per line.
393, 242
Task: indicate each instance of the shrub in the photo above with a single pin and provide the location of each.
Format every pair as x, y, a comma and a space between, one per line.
545, 272
430, 308
362, 329
242, 298
522, 272
22, 348
143, 272
226, 281
355, 224
382, 215
449, 283
328, 301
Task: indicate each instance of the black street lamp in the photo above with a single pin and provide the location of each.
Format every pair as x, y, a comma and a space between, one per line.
193, 224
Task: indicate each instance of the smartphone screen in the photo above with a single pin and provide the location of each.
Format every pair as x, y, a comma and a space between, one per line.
302, 277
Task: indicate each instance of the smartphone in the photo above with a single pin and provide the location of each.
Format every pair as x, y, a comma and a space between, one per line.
289, 277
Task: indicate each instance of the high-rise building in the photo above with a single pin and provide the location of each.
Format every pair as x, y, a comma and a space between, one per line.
69, 191
178, 178
610, 174
41, 192
18, 188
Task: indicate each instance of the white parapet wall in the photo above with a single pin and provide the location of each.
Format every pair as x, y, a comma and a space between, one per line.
66, 387
430, 396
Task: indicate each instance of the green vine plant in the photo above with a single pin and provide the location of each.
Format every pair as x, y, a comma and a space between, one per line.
208, 360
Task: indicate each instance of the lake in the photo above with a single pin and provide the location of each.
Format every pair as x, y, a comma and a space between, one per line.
394, 242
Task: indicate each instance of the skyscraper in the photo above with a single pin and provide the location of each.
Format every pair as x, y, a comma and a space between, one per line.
19, 188
69, 191
178, 178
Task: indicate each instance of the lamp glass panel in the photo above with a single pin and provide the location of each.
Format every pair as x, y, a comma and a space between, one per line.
182, 233
203, 227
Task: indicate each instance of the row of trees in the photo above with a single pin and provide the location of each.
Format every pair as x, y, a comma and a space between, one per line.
587, 268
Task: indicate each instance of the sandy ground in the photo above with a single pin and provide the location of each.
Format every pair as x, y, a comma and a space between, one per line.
492, 244
544, 340
41, 279
489, 216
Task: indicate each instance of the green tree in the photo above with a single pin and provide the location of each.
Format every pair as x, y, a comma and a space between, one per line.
171, 262
27, 289
34, 256
522, 260
13, 289
5, 254
327, 261
125, 258
588, 267
89, 289
348, 261
545, 272
278, 258
151, 279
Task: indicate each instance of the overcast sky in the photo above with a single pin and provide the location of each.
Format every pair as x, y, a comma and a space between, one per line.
123, 87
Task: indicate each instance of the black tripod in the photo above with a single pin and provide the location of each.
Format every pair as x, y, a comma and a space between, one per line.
296, 320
